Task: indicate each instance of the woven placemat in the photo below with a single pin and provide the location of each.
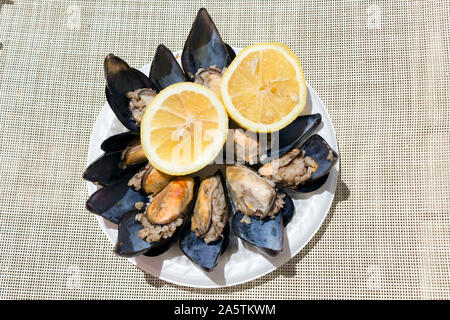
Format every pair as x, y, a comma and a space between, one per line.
381, 69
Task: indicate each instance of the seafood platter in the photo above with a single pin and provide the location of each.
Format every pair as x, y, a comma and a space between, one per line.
211, 166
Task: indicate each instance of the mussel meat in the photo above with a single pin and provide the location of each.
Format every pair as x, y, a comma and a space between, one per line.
159, 226
290, 170
247, 148
253, 195
208, 235
150, 180
302, 168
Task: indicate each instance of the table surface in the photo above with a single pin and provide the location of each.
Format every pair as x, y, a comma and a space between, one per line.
381, 68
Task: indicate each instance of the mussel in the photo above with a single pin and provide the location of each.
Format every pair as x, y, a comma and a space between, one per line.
205, 55
128, 91
123, 155
153, 209
155, 230
128, 193
113, 201
207, 235
256, 149
259, 209
296, 159
303, 168
295, 134
165, 69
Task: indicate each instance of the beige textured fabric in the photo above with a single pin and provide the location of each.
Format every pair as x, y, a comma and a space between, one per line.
381, 68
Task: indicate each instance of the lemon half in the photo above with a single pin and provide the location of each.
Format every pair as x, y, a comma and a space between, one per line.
183, 128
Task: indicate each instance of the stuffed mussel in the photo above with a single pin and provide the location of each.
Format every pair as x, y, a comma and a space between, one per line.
153, 210
303, 168
205, 55
155, 230
126, 176
207, 235
297, 158
259, 209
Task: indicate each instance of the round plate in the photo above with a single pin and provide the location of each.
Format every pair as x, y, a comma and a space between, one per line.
241, 262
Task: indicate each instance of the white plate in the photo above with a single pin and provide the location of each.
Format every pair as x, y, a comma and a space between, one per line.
241, 262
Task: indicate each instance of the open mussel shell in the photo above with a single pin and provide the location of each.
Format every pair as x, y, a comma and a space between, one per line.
130, 170
129, 244
119, 141
276, 144
108, 168
206, 255
120, 79
204, 47
104, 170
317, 148
296, 133
113, 201
165, 69
111, 166
266, 234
